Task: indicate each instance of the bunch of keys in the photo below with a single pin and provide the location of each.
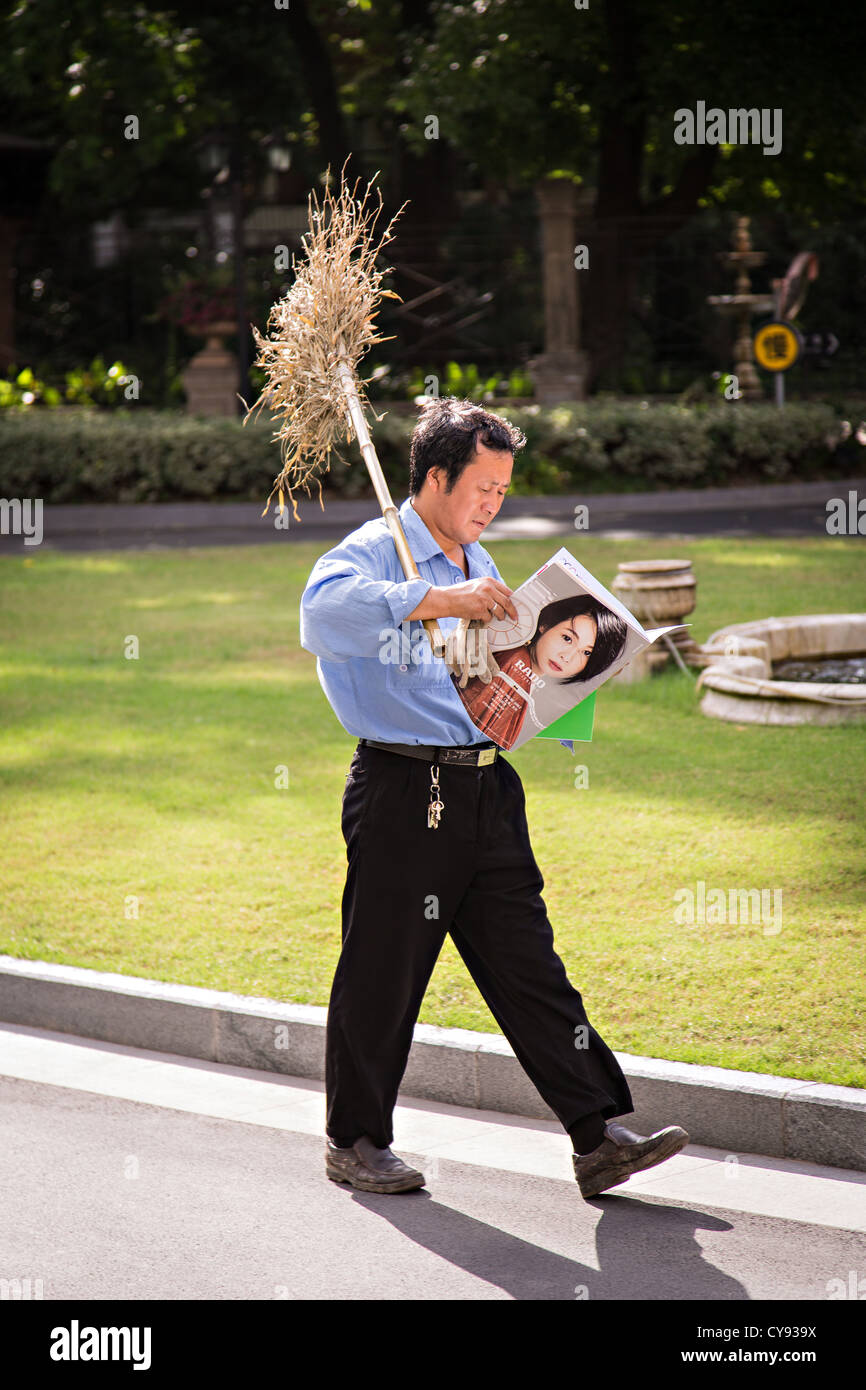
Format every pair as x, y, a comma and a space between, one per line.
437, 805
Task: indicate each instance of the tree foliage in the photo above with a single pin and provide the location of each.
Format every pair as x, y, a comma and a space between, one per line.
526, 91
74, 73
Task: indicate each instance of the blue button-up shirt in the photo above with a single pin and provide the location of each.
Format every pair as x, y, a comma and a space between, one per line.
376, 669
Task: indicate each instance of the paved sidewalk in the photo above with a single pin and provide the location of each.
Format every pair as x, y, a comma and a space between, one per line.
738, 1111
139, 1175
779, 509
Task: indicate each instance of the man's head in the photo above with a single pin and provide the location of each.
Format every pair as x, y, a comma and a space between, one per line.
460, 465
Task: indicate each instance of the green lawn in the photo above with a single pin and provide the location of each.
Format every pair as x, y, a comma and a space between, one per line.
154, 780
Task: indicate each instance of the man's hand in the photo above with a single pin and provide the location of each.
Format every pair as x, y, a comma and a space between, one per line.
484, 599
467, 654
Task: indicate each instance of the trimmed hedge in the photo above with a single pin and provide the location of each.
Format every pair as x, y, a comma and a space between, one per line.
142, 455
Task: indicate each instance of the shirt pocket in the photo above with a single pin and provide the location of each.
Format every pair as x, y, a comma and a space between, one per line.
408, 677
411, 664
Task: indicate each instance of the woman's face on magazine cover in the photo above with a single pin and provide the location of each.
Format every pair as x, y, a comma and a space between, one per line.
563, 651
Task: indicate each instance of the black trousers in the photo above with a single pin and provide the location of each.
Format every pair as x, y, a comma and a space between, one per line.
406, 887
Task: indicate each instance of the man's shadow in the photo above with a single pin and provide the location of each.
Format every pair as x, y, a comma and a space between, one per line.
645, 1250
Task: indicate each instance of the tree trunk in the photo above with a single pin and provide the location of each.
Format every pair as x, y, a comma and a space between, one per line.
322, 89
624, 228
8, 236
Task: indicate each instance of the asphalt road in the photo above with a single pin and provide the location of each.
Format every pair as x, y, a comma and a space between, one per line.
789, 509
121, 1200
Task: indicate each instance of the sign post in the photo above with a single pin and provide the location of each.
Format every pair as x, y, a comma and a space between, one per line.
779, 378
777, 346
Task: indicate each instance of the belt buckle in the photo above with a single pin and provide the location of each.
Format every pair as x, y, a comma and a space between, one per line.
486, 757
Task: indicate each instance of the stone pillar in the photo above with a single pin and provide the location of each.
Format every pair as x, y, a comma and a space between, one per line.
559, 374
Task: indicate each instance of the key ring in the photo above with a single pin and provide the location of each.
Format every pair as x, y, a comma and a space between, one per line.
437, 805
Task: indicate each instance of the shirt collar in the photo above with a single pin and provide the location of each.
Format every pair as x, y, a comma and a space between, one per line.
422, 544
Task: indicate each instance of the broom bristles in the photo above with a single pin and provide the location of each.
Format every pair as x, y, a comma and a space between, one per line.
327, 314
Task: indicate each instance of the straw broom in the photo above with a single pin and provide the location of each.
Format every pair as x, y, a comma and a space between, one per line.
318, 333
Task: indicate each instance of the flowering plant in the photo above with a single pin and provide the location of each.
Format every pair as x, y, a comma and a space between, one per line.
199, 299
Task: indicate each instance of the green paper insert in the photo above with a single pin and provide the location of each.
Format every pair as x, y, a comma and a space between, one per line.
576, 723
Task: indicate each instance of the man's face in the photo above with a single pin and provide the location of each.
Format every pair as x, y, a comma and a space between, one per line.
476, 497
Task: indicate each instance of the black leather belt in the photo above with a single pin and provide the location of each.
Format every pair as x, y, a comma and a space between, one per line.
479, 755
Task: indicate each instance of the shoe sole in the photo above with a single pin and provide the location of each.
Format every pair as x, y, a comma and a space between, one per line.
610, 1177
373, 1184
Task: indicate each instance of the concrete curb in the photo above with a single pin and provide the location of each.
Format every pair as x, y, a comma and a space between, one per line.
744, 1112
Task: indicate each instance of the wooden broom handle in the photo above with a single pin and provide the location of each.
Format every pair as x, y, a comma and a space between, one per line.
389, 511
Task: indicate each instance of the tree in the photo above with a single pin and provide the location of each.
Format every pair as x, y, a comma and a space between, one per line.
529, 91
127, 94
128, 97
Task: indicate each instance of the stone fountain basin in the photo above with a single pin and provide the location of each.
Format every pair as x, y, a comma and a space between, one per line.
738, 683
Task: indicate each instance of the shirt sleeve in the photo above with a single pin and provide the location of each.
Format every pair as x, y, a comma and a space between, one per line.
348, 602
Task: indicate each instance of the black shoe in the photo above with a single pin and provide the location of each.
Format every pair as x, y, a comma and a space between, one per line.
370, 1169
621, 1153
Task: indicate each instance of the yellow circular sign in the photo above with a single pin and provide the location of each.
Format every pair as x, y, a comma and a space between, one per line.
776, 346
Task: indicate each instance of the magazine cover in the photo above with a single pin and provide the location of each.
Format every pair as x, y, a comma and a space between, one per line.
570, 636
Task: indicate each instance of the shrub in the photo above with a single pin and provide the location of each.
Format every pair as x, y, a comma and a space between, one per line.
143, 455
93, 385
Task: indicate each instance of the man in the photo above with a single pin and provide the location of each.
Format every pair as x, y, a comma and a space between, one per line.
415, 873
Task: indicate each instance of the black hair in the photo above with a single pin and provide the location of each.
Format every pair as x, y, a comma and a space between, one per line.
447, 434
610, 636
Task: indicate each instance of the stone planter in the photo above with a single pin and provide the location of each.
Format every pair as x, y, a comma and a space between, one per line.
657, 592
211, 379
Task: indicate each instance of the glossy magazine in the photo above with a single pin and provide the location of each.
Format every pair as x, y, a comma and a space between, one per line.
570, 636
